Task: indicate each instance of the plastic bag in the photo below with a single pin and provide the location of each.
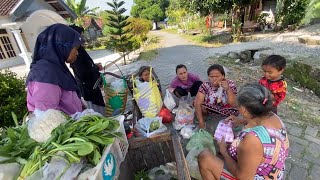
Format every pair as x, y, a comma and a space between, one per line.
184, 113
118, 86
164, 172
200, 140
187, 131
9, 170
169, 101
78, 115
143, 126
149, 99
224, 130
192, 161
219, 95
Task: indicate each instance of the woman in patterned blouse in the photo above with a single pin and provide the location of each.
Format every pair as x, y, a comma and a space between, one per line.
218, 95
260, 149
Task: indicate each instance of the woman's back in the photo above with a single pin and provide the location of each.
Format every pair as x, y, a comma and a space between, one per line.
275, 150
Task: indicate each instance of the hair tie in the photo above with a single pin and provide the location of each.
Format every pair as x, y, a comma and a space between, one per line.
265, 101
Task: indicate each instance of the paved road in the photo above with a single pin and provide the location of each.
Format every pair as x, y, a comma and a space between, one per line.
304, 161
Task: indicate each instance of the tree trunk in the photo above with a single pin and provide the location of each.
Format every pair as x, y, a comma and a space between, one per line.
124, 59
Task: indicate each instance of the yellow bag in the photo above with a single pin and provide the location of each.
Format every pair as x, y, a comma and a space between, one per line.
149, 98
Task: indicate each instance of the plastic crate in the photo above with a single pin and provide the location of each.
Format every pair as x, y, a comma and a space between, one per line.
113, 156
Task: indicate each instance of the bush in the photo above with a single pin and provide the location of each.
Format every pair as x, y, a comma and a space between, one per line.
292, 12
13, 97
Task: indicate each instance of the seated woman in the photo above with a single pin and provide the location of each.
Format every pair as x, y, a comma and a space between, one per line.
216, 96
50, 83
185, 82
259, 151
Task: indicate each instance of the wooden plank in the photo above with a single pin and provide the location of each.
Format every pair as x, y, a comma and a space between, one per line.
138, 142
137, 160
147, 157
171, 150
156, 148
182, 167
154, 156
166, 152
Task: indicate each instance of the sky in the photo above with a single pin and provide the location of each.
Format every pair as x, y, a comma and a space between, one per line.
103, 5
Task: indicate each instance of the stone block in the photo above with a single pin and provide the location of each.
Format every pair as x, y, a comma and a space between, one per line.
296, 131
245, 56
233, 55
298, 140
296, 150
315, 172
313, 149
297, 173
311, 159
298, 162
311, 131
313, 139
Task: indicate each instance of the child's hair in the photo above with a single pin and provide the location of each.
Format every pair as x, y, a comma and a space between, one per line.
142, 69
275, 61
180, 66
256, 99
216, 67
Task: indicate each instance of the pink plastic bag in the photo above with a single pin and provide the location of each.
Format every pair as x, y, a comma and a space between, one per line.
224, 130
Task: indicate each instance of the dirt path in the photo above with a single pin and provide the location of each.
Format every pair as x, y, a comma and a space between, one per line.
300, 111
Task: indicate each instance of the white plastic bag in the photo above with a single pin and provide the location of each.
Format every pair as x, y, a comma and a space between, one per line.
118, 85
78, 115
219, 95
187, 131
143, 126
224, 130
184, 113
169, 101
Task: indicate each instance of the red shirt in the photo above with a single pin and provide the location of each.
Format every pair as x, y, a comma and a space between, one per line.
278, 89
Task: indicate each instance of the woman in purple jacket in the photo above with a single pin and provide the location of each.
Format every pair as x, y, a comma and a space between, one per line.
185, 82
50, 83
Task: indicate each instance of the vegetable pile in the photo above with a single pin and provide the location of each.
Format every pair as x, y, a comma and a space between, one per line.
86, 137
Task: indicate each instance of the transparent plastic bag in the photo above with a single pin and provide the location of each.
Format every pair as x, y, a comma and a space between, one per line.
169, 101
224, 130
184, 113
143, 126
118, 85
200, 140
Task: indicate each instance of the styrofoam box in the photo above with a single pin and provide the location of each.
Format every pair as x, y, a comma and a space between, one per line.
113, 156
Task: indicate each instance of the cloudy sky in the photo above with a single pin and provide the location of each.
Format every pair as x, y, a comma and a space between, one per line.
103, 5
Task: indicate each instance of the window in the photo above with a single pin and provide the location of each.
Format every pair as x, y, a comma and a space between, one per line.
6, 49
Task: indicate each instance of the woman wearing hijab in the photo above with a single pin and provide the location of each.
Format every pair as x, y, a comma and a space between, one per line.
50, 83
86, 73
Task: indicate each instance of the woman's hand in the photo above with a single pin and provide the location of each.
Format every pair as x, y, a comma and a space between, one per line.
235, 120
224, 84
222, 147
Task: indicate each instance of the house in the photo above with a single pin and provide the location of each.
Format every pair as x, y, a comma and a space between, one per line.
20, 23
93, 28
251, 12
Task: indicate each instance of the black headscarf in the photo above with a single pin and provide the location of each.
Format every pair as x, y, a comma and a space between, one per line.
52, 49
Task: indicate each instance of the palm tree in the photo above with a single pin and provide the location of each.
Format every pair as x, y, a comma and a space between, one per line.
81, 10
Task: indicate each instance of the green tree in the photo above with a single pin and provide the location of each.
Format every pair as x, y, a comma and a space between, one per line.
150, 9
81, 10
118, 28
291, 12
312, 11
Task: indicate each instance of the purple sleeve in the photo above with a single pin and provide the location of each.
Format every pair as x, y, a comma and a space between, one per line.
43, 96
194, 78
174, 83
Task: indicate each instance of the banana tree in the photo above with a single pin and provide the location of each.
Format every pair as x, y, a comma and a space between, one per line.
81, 10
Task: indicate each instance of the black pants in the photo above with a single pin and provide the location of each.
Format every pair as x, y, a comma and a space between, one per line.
179, 92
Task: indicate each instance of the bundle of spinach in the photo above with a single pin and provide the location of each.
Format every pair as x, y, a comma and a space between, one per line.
86, 137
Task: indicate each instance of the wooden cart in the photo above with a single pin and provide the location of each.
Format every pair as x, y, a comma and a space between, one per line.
147, 153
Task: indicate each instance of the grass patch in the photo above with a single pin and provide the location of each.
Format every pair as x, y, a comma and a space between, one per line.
150, 51
97, 48
205, 40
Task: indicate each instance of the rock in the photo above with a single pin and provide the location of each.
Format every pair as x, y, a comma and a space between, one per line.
238, 60
309, 40
245, 56
233, 55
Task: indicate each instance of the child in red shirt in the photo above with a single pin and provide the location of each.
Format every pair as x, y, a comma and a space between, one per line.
273, 67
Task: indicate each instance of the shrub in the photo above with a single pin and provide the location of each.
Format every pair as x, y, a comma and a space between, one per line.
13, 97
292, 12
